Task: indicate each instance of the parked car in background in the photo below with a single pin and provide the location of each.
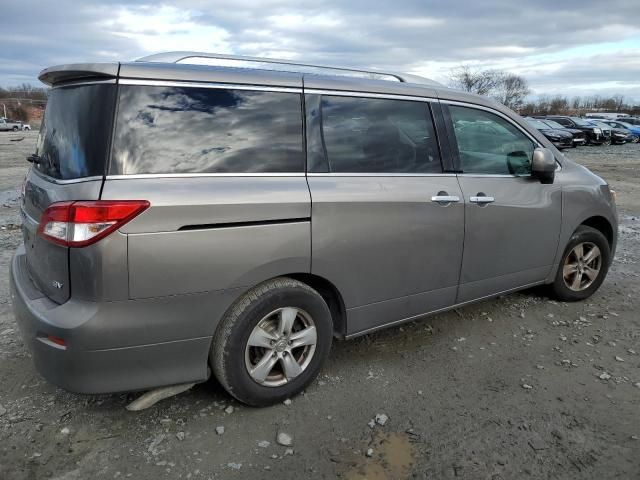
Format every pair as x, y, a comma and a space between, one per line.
623, 125
25, 126
559, 137
579, 137
595, 135
632, 120
184, 220
617, 136
9, 125
607, 115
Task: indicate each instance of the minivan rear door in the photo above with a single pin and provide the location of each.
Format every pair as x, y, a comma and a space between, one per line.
69, 164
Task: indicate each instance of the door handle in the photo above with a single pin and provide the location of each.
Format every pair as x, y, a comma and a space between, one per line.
443, 199
482, 199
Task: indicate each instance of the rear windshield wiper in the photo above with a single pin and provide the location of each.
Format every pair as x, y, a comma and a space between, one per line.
35, 159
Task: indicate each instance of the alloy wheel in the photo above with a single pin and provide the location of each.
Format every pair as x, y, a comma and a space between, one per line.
280, 347
582, 266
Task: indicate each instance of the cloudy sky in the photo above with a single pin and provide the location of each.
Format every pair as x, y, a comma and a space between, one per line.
573, 47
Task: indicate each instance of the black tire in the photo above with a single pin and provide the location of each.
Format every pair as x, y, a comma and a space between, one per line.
15, 129
227, 356
583, 234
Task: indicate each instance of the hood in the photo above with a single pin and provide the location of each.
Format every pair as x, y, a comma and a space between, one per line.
555, 132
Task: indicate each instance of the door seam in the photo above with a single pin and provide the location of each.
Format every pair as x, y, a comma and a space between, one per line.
464, 237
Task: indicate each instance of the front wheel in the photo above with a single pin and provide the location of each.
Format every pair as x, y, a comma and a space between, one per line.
272, 343
584, 265
15, 129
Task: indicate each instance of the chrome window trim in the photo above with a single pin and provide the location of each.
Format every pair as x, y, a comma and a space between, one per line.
197, 175
214, 85
377, 174
493, 175
350, 93
66, 182
75, 83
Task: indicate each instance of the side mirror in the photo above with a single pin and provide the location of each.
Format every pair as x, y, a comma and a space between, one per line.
543, 165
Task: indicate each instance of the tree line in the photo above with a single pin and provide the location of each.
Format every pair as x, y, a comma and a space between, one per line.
512, 90
507, 88
18, 102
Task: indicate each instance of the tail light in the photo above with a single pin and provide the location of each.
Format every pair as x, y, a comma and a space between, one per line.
78, 224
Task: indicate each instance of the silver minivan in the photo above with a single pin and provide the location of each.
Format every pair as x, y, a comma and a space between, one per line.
193, 213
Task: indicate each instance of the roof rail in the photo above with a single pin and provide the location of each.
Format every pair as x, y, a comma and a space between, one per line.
223, 60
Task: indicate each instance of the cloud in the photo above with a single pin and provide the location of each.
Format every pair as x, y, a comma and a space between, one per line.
570, 46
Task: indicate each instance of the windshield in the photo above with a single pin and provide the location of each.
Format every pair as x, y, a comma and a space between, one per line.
582, 123
553, 124
75, 132
600, 124
539, 124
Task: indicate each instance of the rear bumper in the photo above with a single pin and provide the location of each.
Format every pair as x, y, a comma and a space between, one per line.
99, 356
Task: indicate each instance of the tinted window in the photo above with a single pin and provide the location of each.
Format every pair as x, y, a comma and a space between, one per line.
74, 136
490, 144
366, 135
564, 121
553, 124
207, 130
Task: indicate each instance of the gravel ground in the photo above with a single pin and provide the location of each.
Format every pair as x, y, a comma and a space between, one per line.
517, 387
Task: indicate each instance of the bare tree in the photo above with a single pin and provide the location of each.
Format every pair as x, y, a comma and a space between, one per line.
482, 82
619, 101
558, 104
511, 90
507, 88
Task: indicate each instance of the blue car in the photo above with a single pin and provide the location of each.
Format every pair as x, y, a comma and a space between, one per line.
633, 129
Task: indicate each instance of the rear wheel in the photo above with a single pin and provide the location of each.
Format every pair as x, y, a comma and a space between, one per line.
584, 265
15, 129
272, 343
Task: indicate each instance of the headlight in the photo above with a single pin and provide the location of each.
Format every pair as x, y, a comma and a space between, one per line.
597, 130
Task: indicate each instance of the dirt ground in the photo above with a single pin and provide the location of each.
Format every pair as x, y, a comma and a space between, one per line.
517, 387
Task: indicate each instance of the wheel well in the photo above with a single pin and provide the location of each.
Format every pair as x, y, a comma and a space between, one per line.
331, 295
602, 225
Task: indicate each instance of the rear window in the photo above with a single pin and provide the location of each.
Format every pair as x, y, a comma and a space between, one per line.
167, 130
74, 136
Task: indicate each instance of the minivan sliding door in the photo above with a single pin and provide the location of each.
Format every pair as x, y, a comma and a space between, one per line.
387, 223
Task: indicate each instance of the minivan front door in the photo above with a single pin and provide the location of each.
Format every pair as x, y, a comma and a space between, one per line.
512, 221
387, 224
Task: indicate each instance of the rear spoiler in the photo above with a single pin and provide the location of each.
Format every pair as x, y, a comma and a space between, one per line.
79, 72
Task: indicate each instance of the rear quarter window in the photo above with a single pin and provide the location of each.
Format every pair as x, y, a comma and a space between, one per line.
74, 136
165, 130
